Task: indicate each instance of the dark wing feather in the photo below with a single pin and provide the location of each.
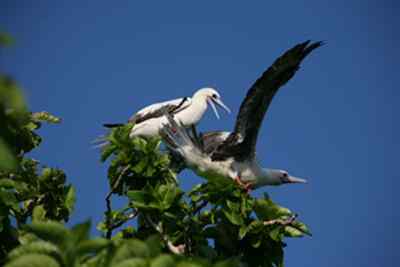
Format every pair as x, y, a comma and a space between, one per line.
212, 140
170, 108
242, 141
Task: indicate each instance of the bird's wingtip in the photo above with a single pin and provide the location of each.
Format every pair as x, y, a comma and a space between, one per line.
112, 125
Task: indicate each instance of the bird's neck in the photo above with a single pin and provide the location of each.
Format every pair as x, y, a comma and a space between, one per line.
268, 177
196, 110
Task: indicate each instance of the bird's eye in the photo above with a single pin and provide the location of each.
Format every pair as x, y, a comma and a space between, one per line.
214, 96
285, 174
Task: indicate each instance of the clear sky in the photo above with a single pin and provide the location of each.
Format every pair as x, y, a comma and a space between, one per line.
334, 123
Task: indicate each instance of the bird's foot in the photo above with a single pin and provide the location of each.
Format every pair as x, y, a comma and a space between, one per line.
245, 185
248, 187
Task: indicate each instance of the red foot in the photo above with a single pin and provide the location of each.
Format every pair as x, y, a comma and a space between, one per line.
247, 186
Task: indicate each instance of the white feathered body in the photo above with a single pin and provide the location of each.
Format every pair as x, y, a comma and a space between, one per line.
202, 164
190, 114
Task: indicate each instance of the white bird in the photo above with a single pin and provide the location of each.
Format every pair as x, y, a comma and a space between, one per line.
232, 154
149, 120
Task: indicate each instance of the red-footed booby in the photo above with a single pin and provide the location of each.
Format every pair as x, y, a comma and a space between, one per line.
232, 154
149, 120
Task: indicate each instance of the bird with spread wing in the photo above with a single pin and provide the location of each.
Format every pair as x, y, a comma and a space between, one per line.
233, 154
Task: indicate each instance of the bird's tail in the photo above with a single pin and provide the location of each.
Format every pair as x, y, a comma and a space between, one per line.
180, 140
102, 140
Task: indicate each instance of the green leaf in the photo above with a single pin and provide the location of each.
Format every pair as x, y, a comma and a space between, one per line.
163, 261
139, 143
276, 233
138, 168
130, 249
234, 206
107, 151
38, 214
12, 98
242, 232
132, 263
33, 260
302, 227
188, 264
292, 232
45, 116
49, 231
80, 232
256, 241
153, 243
228, 263
233, 217
36, 247
70, 198
8, 161
168, 193
139, 199
92, 246
7, 183
266, 209
8, 199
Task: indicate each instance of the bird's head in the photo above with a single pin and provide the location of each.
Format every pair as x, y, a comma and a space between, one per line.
278, 177
212, 97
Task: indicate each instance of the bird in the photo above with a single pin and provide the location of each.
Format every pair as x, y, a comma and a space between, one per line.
233, 154
149, 120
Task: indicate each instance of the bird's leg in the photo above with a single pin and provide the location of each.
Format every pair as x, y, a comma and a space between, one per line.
237, 180
246, 185
196, 139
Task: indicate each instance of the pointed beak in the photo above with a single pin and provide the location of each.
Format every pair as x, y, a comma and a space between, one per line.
211, 101
294, 180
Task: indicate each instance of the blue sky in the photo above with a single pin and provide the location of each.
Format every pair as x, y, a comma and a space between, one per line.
334, 123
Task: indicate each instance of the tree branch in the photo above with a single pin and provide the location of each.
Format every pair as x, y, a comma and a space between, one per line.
178, 250
198, 208
288, 221
108, 202
130, 216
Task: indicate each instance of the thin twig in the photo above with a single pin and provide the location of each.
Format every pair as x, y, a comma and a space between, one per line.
108, 202
178, 250
198, 208
130, 216
288, 221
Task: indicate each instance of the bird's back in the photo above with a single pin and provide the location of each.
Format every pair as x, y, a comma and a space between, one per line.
156, 109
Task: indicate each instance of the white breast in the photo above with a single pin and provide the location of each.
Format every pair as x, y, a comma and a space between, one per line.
249, 171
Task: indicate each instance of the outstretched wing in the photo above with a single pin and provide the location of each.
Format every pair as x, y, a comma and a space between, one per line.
212, 140
242, 141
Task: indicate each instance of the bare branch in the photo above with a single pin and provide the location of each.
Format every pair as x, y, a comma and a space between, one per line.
130, 216
288, 221
108, 202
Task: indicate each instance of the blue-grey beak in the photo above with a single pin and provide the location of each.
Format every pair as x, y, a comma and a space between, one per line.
211, 101
293, 180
